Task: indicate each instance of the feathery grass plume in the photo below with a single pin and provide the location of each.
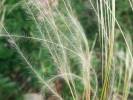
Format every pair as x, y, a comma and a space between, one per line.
60, 33
63, 29
59, 26
64, 38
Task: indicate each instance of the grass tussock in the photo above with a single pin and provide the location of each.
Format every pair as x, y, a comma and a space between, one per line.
60, 33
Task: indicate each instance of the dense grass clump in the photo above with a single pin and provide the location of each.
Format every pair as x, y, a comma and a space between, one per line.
80, 71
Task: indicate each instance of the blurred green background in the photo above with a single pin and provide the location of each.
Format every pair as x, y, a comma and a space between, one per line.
15, 78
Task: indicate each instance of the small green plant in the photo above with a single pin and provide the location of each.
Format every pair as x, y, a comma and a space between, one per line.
7, 89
